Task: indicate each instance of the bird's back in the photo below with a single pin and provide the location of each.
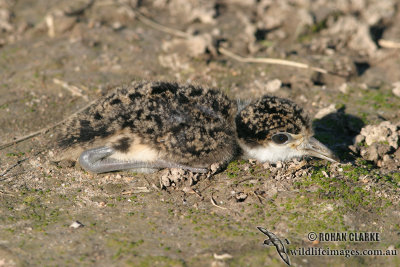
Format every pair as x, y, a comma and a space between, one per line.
186, 124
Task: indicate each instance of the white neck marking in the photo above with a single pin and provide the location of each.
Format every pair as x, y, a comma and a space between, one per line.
271, 153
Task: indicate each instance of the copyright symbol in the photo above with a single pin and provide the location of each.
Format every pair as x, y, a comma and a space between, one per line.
312, 236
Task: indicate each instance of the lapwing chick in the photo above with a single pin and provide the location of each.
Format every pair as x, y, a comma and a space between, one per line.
154, 125
276, 129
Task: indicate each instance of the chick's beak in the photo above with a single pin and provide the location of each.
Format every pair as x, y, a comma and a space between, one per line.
312, 147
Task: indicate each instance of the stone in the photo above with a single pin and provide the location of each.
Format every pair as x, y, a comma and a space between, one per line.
76, 225
384, 132
273, 85
396, 89
370, 153
325, 111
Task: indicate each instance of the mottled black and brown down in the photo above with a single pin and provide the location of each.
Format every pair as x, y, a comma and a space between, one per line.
262, 118
184, 122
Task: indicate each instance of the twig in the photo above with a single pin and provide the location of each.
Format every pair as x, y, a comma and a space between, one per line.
298, 167
155, 187
160, 27
275, 61
136, 190
224, 256
215, 203
44, 130
31, 135
49, 19
181, 34
388, 44
13, 166
198, 194
258, 197
75, 91
18, 163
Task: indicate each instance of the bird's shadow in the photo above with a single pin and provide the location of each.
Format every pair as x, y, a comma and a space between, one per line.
337, 131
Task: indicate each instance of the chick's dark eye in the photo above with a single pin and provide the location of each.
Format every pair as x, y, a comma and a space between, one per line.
280, 138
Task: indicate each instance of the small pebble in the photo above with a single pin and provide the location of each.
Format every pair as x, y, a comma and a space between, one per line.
240, 197
273, 85
76, 225
325, 111
396, 89
344, 88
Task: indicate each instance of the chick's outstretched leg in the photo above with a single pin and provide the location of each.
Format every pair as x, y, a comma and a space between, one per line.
98, 160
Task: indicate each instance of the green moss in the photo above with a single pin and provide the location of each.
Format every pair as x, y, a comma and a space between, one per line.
312, 30
339, 106
29, 200
393, 178
123, 247
16, 154
4, 106
396, 177
363, 101
233, 169
317, 27
266, 43
10, 230
304, 38
379, 99
348, 191
355, 173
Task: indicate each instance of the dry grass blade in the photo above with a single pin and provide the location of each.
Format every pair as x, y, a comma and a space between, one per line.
388, 44
18, 163
75, 91
215, 203
260, 198
136, 190
224, 256
19, 140
42, 131
13, 166
160, 27
275, 61
223, 51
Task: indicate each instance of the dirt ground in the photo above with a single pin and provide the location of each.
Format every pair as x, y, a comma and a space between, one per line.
56, 56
